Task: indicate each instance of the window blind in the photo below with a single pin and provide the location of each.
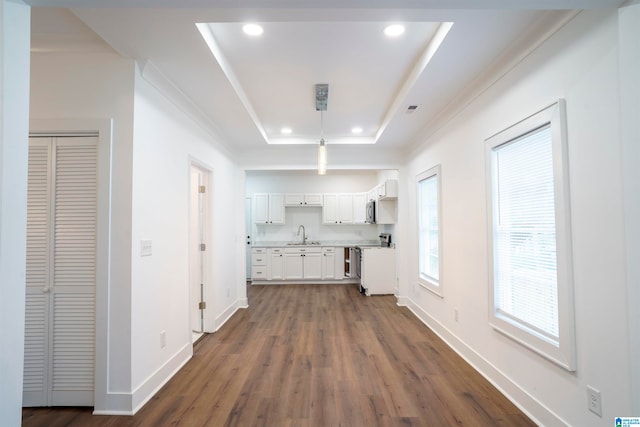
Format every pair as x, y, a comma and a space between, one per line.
526, 288
429, 251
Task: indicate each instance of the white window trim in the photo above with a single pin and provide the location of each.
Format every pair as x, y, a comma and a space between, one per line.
430, 283
563, 355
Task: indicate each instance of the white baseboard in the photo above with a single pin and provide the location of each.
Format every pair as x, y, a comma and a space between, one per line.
403, 301
129, 403
108, 412
121, 403
230, 311
533, 408
145, 391
115, 403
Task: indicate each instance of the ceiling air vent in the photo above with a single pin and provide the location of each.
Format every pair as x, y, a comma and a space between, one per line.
411, 109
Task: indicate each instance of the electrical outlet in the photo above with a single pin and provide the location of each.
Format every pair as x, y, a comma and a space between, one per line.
455, 314
163, 339
594, 400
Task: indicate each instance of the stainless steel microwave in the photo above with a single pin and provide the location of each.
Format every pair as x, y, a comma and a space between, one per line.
371, 212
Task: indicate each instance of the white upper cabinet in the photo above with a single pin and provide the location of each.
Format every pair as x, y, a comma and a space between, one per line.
268, 208
338, 208
359, 208
388, 189
330, 209
303, 199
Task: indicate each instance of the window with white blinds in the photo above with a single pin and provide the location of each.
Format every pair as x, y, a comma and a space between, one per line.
525, 235
531, 298
429, 232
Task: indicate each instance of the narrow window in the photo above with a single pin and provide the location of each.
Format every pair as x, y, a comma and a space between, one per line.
429, 229
531, 286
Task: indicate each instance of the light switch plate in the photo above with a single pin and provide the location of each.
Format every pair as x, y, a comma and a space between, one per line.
145, 247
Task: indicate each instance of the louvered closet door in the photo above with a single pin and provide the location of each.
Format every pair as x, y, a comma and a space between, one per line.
59, 352
36, 342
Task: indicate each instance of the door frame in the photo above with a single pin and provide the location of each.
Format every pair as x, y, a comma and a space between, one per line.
248, 229
205, 259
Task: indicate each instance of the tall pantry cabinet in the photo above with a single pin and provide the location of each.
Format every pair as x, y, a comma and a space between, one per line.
61, 271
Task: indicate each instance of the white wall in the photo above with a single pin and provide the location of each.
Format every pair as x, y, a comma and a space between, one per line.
630, 130
165, 142
305, 157
153, 143
14, 125
89, 86
580, 64
298, 181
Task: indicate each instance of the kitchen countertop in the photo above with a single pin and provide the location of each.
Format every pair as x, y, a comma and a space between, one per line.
334, 243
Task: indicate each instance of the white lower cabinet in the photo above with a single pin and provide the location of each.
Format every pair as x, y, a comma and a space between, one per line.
276, 258
328, 263
312, 268
297, 263
293, 266
302, 263
259, 264
333, 263
378, 270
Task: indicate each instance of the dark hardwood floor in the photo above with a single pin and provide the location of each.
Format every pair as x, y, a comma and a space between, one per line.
315, 355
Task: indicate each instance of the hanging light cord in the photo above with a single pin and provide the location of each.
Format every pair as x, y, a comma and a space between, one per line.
321, 128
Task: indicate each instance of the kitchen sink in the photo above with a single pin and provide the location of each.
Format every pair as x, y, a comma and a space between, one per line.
303, 244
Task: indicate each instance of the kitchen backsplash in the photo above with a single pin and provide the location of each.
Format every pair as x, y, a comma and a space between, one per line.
311, 218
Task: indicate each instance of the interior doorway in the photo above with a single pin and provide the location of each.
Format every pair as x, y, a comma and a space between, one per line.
198, 244
248, 227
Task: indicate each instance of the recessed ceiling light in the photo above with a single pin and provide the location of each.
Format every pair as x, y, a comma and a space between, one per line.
252, 29
356, 129
286, 131
394, 30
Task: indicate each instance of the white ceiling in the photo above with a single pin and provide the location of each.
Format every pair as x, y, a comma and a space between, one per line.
254, 86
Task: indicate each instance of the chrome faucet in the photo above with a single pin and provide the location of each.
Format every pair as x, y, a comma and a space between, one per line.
304, 234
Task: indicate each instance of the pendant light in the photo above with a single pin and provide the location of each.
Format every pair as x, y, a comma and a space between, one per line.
322, 94
322, 158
